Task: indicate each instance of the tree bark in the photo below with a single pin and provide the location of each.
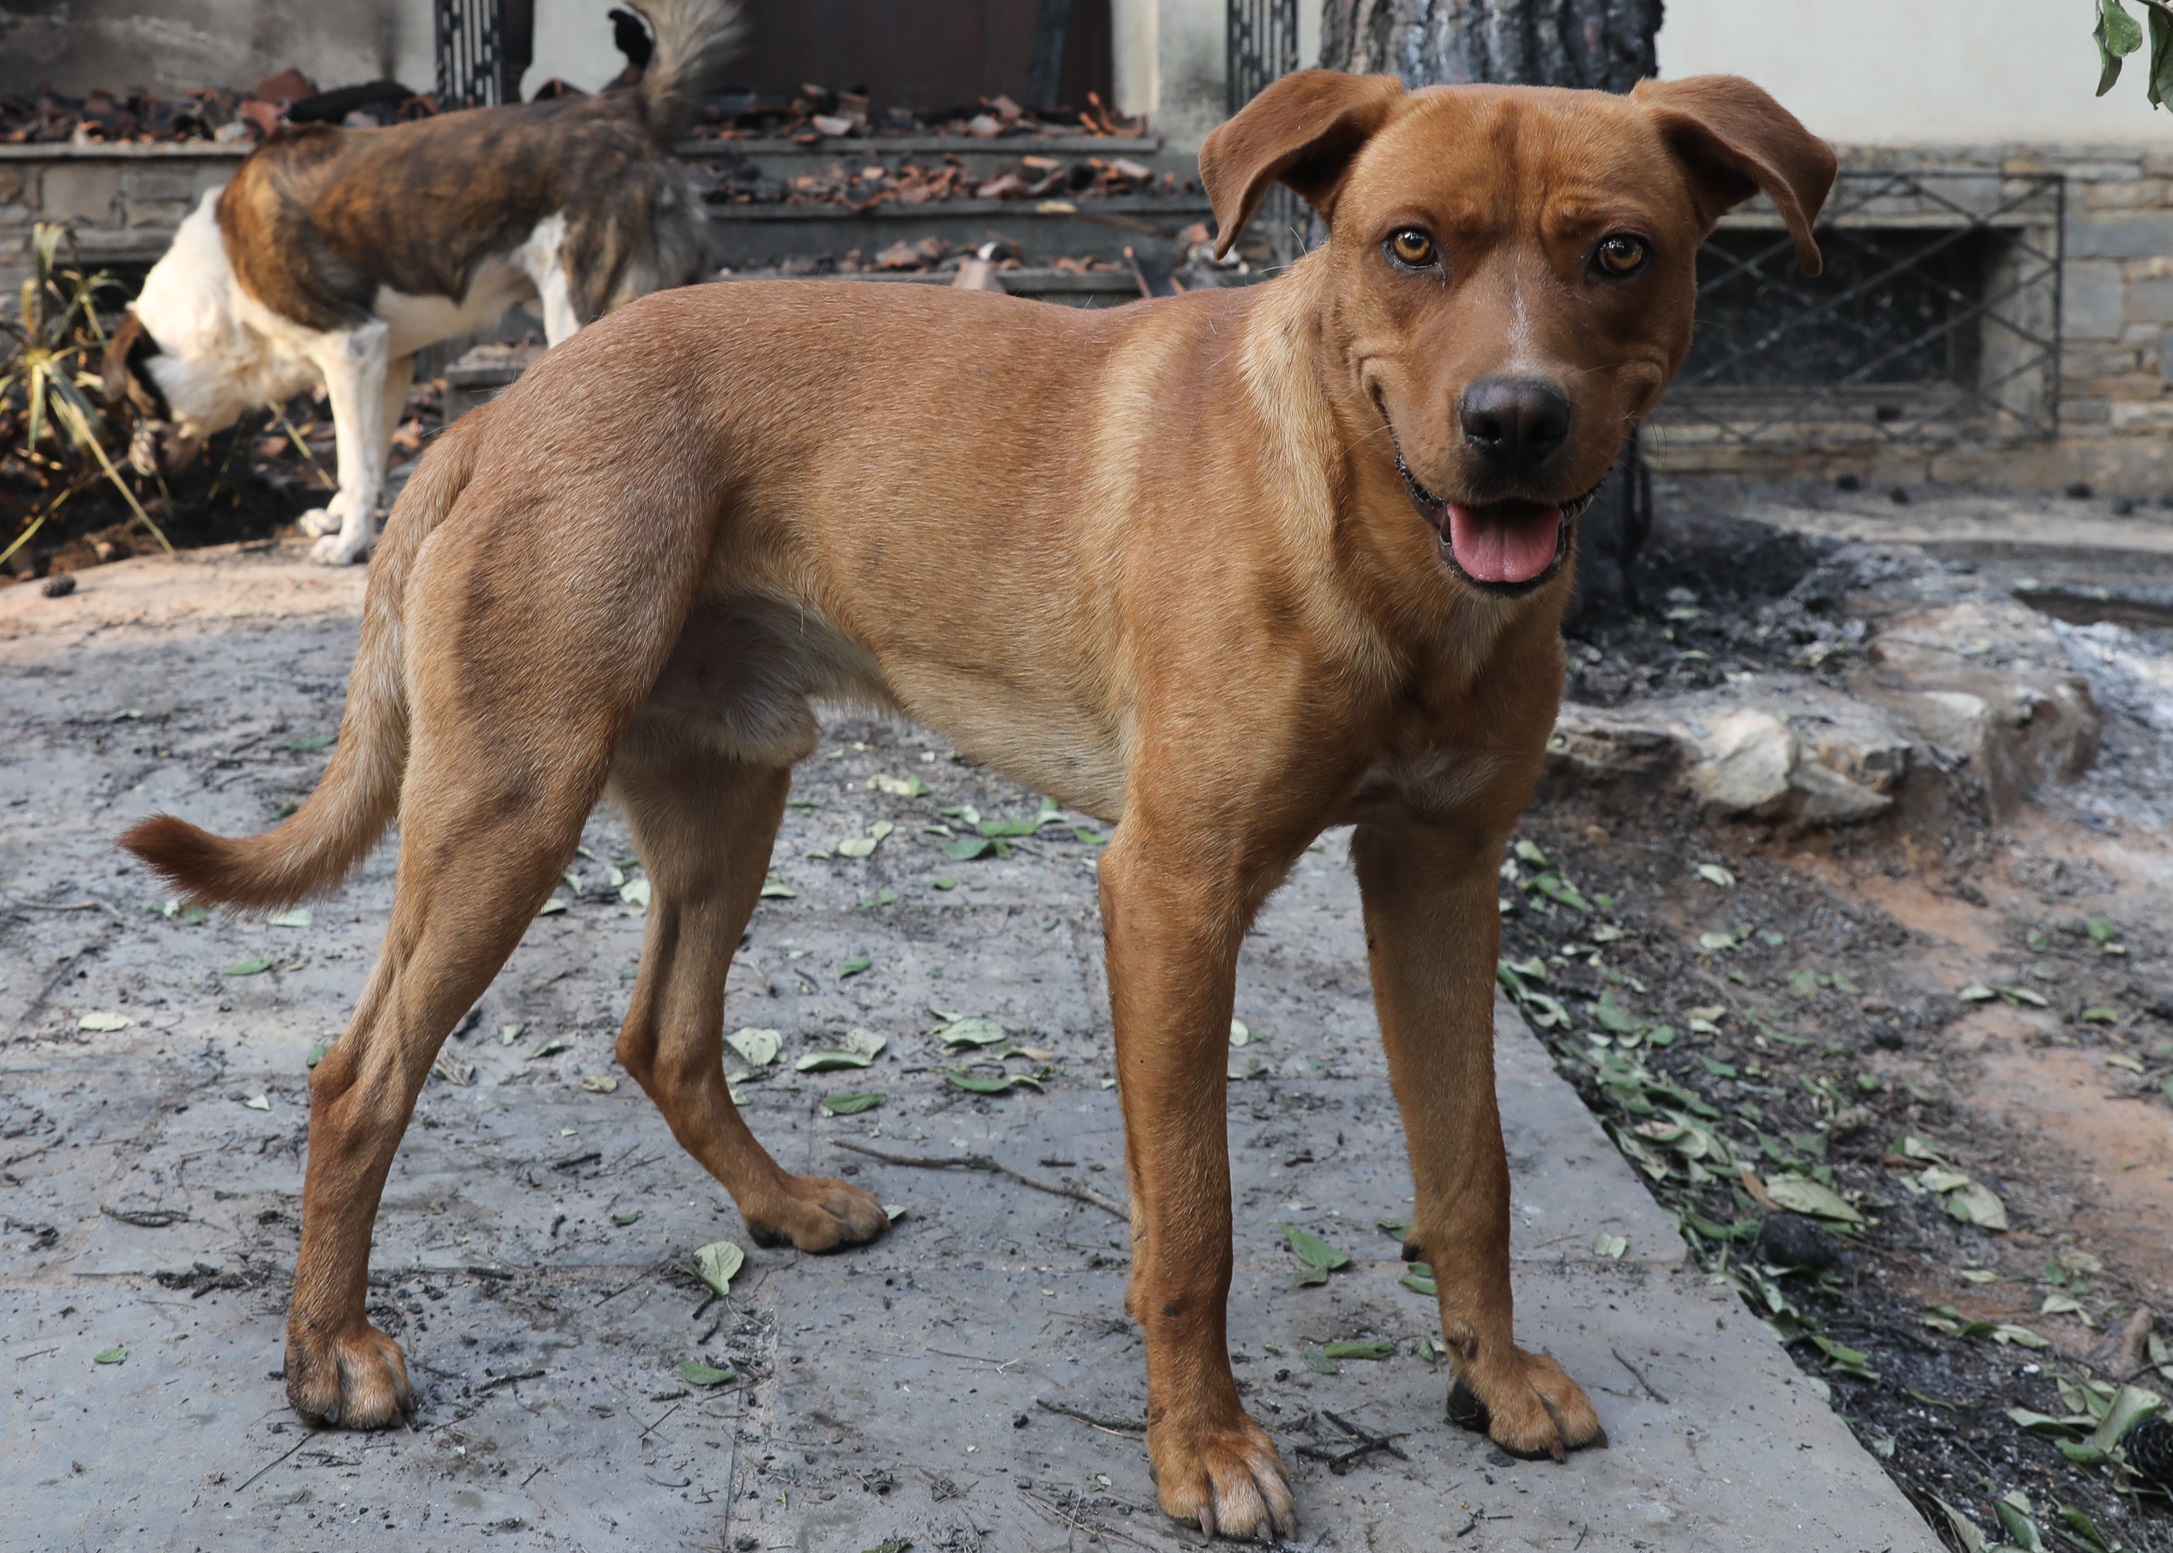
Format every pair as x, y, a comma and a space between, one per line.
1605, 45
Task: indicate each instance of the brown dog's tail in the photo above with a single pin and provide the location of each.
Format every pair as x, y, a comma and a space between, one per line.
695, 39
359, 793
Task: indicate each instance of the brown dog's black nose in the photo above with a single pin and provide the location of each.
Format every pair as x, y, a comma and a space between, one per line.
1515, 423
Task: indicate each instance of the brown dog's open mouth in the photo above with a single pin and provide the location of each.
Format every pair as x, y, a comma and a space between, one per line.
1506, 547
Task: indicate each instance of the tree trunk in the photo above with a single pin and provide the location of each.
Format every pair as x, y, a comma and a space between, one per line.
1602, 44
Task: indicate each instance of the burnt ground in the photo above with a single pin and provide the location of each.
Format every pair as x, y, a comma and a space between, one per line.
247, 484
1935, 992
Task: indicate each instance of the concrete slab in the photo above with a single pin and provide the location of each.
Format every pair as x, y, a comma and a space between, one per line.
533, 1245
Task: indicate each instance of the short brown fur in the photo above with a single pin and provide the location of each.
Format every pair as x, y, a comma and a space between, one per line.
1225, 627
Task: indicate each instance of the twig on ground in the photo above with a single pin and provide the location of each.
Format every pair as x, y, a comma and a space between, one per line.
275, 1461
1093, 1529
675, 1407
1102, 1421
510, 1380
1085, 1194
1340, 1462
104, 906
1639, 1376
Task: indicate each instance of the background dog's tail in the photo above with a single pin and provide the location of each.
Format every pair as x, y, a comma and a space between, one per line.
359, 793
694, 41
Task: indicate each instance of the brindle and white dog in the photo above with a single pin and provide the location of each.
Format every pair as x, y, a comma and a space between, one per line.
335, 254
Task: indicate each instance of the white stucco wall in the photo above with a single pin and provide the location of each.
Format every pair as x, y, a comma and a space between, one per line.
1919, 72
573, 42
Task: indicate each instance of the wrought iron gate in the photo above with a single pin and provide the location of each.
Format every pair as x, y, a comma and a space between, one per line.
1260, 45
484, 47
1937, 319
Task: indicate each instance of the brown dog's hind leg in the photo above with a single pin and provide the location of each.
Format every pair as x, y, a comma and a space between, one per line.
1432, 929
1173, 939
704, 824
478, 858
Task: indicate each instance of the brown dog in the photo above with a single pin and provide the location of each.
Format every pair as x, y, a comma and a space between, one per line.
1275, 559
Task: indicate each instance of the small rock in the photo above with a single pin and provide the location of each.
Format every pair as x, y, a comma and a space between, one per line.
2080, 490
1886, 1038
59, 586
1847, 483
1791, 1240
1899, 496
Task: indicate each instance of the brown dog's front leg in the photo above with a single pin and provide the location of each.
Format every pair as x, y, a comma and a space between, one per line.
1432, 931
1173, 940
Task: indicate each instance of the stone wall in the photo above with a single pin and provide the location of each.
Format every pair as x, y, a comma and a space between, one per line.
123, 202
2113, 396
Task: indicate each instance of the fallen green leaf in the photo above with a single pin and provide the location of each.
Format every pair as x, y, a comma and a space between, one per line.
104, 1020
258, 1102
695, 1373
774, 888
970, 1030
247, 968
1319, 1257
718, 1263
981, 1084
828, 1058
1359, 1348
758, 1048
1801, 1194
1609, 1246
117, 1354
854, 966
1713, 873
852, 1102
632, 1216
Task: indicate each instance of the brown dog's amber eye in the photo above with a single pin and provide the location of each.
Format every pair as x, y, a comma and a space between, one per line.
1620, 256
1411, 246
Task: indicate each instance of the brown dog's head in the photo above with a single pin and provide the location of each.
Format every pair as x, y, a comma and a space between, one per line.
1513, 271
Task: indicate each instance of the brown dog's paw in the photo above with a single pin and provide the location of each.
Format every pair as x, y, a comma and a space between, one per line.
1529, 1406
1230, 1479
356, 1380
818, 1214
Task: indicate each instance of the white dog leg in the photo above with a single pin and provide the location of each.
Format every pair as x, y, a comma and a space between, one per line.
543, 259
356, 370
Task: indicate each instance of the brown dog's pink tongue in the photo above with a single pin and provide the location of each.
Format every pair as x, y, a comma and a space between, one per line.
1504, 541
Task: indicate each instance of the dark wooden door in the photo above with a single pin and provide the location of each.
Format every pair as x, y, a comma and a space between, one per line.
927, 54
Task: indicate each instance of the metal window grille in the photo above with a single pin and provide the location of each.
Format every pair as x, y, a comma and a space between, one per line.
1260, 41
1936, 321
471, 53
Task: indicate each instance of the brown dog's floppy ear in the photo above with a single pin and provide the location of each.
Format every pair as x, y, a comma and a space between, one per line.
1736, 141
1302, 130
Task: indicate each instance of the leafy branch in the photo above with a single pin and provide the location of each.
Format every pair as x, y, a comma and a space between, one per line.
2119, 34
